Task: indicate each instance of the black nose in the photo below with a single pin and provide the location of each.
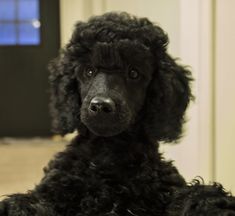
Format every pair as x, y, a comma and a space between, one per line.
101, 104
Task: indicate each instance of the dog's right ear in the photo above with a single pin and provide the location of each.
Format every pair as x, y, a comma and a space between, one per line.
65, 99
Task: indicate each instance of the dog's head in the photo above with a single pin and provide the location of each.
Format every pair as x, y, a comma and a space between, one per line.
115, 73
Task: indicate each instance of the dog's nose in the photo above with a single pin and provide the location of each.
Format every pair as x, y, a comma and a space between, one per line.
101, 104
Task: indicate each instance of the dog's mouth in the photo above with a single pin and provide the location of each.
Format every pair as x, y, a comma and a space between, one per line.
106, 123
105, 131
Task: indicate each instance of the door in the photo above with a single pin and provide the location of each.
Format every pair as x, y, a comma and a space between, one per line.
29, 39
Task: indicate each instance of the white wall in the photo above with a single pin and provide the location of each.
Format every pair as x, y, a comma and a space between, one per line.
207, 147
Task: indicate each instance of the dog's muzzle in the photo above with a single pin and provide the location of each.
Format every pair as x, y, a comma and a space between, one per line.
105, 111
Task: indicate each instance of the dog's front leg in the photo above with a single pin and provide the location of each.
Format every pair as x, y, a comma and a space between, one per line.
24, 205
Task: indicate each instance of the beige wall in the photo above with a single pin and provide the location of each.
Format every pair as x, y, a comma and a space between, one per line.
225, 92
160, 11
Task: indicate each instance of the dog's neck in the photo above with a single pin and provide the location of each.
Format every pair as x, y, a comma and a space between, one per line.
126, 147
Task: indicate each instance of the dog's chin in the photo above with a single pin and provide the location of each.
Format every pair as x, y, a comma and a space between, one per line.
103, 128
106, 125
105, 131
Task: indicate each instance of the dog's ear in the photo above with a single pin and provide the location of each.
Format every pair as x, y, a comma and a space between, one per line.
65, 99
169, 94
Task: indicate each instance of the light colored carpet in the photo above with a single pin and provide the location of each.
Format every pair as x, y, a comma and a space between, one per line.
22, 161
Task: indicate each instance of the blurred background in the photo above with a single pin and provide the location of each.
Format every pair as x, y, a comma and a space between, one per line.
202, 35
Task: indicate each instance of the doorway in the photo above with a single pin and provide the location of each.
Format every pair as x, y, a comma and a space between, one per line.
29, 39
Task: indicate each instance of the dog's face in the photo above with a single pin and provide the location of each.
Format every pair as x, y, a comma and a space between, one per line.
113, 80
115, 72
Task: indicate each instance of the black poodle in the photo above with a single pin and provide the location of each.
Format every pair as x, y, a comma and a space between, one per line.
115, 83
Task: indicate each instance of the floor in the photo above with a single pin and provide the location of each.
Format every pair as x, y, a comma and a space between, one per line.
22, 161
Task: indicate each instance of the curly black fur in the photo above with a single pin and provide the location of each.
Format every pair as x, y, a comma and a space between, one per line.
113, 167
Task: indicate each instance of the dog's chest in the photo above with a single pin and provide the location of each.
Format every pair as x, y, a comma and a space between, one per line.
107, 185
114, 190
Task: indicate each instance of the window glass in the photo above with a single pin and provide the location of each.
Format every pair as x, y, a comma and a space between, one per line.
28, 34
8, 14
19, 22
7, 34
28, 10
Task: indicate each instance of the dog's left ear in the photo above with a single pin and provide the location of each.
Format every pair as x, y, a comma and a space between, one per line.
168, 96
65, 99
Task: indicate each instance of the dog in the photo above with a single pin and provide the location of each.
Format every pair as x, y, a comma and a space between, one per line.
115, 83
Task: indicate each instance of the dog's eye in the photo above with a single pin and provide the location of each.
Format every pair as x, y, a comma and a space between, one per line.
90, 72
133, 74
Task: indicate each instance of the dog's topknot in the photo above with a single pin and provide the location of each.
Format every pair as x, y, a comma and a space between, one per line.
114, 26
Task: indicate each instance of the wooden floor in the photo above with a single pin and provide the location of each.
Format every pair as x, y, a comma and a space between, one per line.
22, 161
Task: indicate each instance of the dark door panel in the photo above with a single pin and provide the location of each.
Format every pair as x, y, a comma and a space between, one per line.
23, 79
